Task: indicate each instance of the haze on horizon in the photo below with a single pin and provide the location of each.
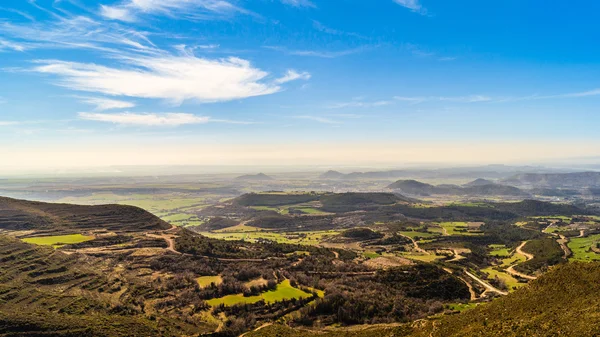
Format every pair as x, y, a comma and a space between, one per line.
293, 82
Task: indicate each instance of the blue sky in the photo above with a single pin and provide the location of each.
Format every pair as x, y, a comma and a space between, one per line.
382, 82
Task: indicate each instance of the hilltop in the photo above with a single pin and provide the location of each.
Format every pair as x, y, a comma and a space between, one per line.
331, 174
479, 182
479, 187
66, 218
255, 177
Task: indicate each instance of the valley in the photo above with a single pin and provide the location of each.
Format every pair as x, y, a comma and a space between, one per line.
226, 262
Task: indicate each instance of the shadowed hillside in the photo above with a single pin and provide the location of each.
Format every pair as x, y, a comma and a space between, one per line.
66, 218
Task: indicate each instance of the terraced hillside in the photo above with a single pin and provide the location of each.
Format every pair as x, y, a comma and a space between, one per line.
47, 292
66, 218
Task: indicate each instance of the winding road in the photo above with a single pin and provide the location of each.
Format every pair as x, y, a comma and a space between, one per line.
511, 270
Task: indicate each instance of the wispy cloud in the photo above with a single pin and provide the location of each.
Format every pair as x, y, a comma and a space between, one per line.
293, 75
299, 3
456, 99
4, 44
103, 104
318, 119
497, 99
169, 119
172, 78
78, 32
323, 54
322, 28
359, 104
130, 10
423, 53
413, 5
145, 119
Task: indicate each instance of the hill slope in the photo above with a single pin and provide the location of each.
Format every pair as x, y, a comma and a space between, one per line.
254, 177
563, 302
66, 218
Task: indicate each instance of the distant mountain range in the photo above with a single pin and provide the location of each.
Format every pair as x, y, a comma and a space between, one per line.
486, 172
555, 180
479, 187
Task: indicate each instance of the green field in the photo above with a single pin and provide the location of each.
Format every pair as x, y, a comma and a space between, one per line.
58, 240
506, 278
205, 281
284, 291
515, 258
414, 234
581, 248
462, 306
421, 257
456, 228
302, 238
371, 255
499, 251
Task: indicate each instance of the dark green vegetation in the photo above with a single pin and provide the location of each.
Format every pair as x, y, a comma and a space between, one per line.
362, 233
546, 252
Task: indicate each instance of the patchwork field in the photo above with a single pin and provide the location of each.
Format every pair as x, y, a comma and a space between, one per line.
302, 238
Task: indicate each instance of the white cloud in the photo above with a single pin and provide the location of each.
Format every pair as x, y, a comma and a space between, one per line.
173, 78
107, 104
116, 13
413, 5
145, 119
79, 32
299, 3
317, 53
4, 44
8, 123
182, 9
293, 75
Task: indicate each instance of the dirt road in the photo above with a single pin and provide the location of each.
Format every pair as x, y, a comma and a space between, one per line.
486, 285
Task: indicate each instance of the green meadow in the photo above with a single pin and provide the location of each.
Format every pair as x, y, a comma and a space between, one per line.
510, 281
581, 248
499, 251
58, 240
456, 228
284, 290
